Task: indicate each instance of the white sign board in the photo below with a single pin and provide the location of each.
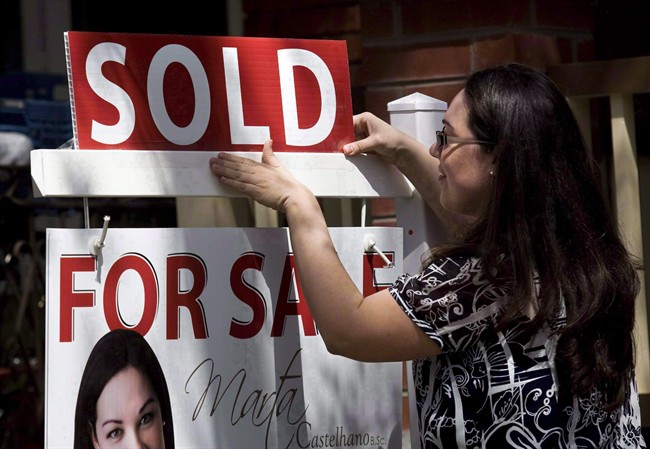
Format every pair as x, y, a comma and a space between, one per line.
224, 314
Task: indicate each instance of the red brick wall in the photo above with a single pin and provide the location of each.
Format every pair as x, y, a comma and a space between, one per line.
431, 46
397, 47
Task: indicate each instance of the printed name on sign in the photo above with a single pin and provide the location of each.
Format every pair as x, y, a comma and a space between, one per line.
175, 92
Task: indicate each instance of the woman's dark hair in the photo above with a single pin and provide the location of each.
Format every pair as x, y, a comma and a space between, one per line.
548, 215
114, 352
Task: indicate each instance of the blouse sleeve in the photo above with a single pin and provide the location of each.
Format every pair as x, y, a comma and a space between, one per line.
452, 301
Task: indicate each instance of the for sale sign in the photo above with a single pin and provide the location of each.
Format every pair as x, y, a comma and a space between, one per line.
202, 338
178, 92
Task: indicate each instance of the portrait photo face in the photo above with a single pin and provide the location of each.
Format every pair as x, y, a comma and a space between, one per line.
128, 413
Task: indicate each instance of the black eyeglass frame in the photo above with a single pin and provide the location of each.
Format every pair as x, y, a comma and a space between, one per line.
442, 139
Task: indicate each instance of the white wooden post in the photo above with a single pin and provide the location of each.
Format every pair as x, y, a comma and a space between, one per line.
419, 116
628, 208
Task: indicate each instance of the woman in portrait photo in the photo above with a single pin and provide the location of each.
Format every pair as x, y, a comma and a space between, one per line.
123, 398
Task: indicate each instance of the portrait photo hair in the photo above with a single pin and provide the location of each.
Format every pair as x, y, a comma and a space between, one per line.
115, 351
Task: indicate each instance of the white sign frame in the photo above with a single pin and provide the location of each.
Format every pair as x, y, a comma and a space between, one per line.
130, 173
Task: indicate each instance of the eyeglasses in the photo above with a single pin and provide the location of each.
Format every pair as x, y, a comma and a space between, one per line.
442, 139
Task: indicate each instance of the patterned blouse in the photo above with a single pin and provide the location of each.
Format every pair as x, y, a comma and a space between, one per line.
490, 389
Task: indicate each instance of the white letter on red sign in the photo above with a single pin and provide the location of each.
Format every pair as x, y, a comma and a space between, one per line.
110, 92
163, 58
287, 59
239, 133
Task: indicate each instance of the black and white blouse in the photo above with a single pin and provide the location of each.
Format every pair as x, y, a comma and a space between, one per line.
492, 389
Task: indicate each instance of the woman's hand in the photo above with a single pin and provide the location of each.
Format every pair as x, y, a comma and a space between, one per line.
410, 157
378, 137
267, 182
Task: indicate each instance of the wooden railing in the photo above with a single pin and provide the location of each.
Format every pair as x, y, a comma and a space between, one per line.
619, 80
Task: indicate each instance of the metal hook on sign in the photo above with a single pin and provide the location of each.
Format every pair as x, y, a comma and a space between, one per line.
370, 244
96, 245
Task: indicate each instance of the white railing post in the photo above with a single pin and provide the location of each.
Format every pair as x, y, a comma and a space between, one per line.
419, 116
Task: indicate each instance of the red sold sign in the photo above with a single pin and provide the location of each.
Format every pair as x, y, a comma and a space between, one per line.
177, 92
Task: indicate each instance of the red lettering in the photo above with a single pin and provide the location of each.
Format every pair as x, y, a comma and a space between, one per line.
291, 306
371, 262
188, 299
247, 294
145, 270
69, 297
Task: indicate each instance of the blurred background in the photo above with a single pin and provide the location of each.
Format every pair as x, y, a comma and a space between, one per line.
597, 51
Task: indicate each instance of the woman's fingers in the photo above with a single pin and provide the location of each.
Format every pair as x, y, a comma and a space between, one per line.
267, 182
366, 145
230, 161
268, 156
370, 134
235, 172
228, 165
225, 160
223, 169
361, 134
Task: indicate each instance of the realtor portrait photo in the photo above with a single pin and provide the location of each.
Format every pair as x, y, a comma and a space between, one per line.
123, 399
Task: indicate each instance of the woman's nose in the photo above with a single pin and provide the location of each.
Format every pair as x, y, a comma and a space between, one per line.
434, 150
135, 441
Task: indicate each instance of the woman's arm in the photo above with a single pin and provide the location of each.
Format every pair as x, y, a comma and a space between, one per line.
367, 329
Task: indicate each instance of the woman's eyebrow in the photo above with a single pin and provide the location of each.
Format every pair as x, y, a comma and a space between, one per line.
111, 421
119, 421
147, 402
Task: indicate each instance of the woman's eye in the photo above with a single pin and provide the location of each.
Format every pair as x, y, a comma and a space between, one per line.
114, 434
146, 418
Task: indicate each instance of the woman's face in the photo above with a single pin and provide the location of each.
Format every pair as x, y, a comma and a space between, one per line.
128, 413
464, 170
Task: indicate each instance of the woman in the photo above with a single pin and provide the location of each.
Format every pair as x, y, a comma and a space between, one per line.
123, 399
520, 331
